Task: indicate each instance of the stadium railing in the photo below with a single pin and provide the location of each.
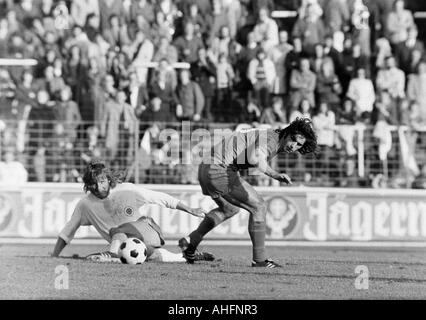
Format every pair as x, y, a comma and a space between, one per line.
59, 153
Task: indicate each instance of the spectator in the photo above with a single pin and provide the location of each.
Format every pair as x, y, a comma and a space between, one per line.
27, 88
318, 58
14, 24
74, 72
302, 83
4, 36
278, 55
202, 24
274, 115
416, 59
234, 16
346, 119
137, 95
224, 45
361, 91
106, 9
5, 6
116, 35
416, 89
78, 38
140, 24
312, 5
144, 8
293, 58
127, 127
391, 79
142, 52
81, 9
168, 8
98, 49
333, 53
166, 51
361, 24
262, 75
404, 50
383, 50
266, 30
352, 61
53, 81
162, 28
94, 95
204, 73
26, 10
347, 115
399, 22
12, 172
39, 164
336, 15
17, 48
328, 86
303, 111
385, 110
310, 29
247, 54
384, 8
188, 44
190, 97
41, 118
68, 114
163, 100
224, 81
109, 125
119, 70
420, 181
324, 124
92, 26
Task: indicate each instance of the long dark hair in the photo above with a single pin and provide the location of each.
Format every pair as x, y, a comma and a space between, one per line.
302, 126
96, 168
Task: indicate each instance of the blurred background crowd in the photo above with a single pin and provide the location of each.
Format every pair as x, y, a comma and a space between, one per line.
111, 74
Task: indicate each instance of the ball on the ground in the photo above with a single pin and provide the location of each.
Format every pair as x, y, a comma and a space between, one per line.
133, 251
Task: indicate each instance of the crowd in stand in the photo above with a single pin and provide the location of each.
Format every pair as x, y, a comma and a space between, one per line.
114, 64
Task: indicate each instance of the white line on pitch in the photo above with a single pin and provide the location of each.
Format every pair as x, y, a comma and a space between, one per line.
383, 244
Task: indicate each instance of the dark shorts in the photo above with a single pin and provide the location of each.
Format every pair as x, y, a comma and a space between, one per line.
217, 180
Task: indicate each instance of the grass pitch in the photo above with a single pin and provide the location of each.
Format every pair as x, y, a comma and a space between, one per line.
27, 272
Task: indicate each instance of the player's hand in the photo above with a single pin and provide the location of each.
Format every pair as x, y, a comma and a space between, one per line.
198, 212
282, 177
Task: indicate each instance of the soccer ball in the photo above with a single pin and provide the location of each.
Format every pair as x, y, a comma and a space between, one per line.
133, 251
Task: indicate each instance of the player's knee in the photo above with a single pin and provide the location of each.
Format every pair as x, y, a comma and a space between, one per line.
114, 231
258, 211
230, 211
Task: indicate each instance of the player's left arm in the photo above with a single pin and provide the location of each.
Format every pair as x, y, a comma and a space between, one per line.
167, 201
259, 158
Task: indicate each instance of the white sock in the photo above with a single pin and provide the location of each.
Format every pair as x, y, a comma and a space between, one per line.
163, 255
116, 242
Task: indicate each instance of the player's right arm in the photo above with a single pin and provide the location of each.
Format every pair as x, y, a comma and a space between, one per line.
68, 232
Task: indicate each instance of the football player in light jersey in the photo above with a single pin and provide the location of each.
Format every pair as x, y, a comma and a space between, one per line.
112, 207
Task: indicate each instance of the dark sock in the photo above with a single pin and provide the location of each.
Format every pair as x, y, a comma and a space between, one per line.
257, 231
212, 219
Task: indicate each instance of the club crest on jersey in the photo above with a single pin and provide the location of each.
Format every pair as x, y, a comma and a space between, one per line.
6, 212
128, 211
281, 217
